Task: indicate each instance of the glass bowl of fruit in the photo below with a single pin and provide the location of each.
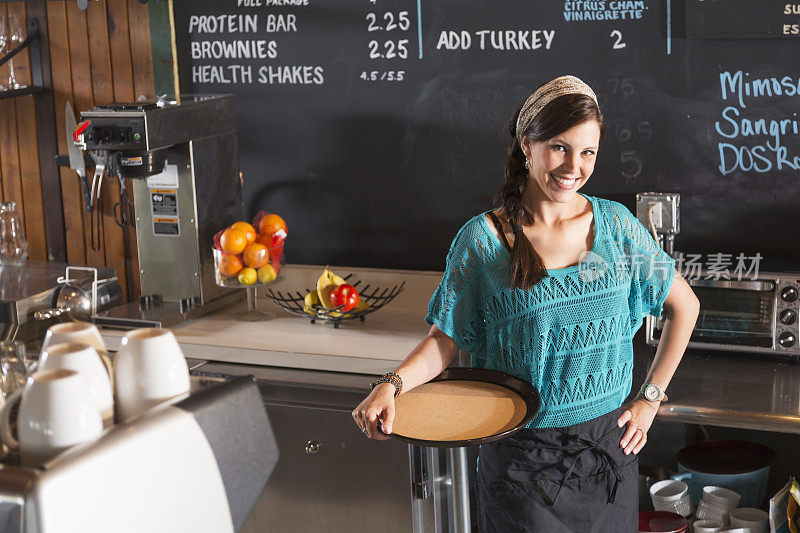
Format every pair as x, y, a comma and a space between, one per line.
250, 256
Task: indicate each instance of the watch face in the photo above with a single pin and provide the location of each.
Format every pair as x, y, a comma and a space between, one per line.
651, 393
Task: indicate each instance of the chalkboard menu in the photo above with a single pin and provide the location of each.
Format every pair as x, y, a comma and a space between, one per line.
378, 127
741, 19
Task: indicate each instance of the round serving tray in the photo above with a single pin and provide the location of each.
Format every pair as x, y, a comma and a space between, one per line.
522, 389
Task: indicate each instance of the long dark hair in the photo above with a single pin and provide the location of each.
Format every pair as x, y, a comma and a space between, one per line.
564, 112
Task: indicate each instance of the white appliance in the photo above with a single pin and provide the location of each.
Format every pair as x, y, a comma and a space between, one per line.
196, 464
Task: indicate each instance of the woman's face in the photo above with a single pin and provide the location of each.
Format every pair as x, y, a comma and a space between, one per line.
561, 165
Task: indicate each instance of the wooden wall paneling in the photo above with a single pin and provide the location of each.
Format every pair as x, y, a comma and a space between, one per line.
61, 72
9, 155
141, 55
47, 145
9, 151
28, 149
122, 70
103, 93
80, 64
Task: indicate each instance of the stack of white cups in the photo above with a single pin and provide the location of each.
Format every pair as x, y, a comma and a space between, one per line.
69, 398
673, 496
716, 504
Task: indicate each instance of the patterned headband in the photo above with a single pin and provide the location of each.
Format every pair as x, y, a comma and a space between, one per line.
546, 94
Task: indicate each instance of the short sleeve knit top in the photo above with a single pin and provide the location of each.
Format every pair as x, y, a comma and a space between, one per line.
571, 334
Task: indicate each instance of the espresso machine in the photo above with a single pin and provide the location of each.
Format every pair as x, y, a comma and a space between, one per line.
196, 463
182, 159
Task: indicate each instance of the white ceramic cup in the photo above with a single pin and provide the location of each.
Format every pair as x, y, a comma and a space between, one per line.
83, 332
707, 511
755, 520
667, 492
707, 526
149, 368
721, 497
93, 367
681, 506
56, 412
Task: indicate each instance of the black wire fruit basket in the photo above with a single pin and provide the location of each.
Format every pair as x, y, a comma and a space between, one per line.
375, 297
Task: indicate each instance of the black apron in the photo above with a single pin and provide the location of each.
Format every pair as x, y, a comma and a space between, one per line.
559, 480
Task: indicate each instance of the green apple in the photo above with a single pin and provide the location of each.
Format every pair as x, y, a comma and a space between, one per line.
266, 274
248, 276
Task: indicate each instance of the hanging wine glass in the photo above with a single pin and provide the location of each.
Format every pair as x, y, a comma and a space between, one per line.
17, 31
3, 42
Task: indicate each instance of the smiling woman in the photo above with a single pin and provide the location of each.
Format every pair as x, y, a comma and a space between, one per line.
517, 296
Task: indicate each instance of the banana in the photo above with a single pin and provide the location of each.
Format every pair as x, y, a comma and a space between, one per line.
310, 301
322, 296
325, 285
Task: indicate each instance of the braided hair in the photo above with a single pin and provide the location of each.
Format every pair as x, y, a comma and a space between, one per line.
563, 113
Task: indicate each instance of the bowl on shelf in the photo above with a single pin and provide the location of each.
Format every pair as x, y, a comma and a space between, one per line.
374, 297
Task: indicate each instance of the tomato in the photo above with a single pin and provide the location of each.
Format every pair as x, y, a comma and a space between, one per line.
345, 295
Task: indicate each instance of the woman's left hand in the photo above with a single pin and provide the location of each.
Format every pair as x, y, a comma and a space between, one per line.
639, 415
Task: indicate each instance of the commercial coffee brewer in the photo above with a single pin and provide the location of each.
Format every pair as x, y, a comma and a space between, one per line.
183, 159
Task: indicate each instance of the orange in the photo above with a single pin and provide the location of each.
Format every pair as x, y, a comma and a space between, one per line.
229, 264
272, 223
266, 240
233, 241
255, 255
248, 230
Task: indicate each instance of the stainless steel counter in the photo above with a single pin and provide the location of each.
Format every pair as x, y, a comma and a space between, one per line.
729, 390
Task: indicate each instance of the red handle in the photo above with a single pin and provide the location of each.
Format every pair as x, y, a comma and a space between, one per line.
79, 129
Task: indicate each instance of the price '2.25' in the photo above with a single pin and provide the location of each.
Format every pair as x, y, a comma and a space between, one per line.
389, 50
389, 23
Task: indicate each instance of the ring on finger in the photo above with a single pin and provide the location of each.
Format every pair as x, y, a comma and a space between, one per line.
364, 431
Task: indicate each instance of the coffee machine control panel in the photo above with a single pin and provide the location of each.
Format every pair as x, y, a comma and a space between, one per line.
115, 134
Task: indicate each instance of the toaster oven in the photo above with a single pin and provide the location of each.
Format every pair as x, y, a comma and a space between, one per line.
749, 315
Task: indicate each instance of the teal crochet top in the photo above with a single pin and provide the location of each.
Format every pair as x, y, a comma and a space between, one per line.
571, 334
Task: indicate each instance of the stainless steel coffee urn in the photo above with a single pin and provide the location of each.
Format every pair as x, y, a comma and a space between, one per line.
183, 159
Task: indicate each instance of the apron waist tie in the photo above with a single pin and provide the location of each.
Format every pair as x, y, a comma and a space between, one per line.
594, 447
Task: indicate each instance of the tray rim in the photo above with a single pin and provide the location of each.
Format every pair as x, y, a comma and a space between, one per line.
533, 404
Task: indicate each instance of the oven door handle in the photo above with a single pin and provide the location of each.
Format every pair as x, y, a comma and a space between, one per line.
754, 285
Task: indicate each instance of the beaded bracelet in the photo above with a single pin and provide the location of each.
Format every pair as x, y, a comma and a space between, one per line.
394, 379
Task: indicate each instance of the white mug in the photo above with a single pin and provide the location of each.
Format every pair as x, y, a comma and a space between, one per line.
56, 412
721, 497
707, 526
83, 332
667, 491
149, 368
709, 511
93, 367
755, 520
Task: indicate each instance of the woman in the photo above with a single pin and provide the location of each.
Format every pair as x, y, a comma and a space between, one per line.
551, 288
